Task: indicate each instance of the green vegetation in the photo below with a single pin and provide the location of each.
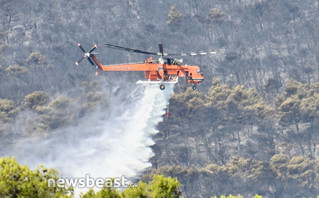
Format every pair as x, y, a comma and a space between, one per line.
245, 140
105, 192
269, 146
226, 110
266, 43
301, 173
20, 181
91, 98
298, 106
36, 99
159, 187
8, 110
16, 69
238, 196
50, 113
57, 113
175, 16
36, 58
215, 16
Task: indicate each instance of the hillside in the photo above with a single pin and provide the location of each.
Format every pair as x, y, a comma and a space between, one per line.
259, 99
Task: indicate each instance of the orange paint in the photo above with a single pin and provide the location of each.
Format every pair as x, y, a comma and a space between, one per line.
155, 71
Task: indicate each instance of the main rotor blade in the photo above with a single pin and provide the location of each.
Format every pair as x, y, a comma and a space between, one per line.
80, 46
129, 49
89, 59
94, 47
198, 53
78, 62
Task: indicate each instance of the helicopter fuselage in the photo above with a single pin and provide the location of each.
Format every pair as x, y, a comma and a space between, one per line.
158, 70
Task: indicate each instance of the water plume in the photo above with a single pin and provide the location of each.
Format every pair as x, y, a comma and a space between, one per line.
104, 144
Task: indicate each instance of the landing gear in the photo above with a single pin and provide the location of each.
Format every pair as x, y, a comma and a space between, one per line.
162, 86
194, 87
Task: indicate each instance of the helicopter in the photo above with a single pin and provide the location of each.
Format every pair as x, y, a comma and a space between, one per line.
161, 70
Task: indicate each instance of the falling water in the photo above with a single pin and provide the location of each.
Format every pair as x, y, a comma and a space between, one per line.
105, 144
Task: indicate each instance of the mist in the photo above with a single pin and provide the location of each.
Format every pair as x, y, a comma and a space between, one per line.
110, 142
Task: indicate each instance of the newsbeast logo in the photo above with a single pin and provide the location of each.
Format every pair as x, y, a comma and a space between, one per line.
89, 182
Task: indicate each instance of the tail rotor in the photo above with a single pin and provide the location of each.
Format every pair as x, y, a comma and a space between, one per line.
86, 55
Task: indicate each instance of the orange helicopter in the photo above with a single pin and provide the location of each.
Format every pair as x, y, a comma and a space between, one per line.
163, 70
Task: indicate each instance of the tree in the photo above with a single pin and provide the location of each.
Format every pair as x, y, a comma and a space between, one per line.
20, 181
107, 192
16, 69
136, 191
303, 170
7, 110
215, 16
278, 164
36, 58
35, 99
299, 105
164, 187
159, 187
175, 16
59, 112
273, 85
289, 102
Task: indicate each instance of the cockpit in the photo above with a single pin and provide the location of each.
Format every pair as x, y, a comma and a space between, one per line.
174, 61
170, 61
